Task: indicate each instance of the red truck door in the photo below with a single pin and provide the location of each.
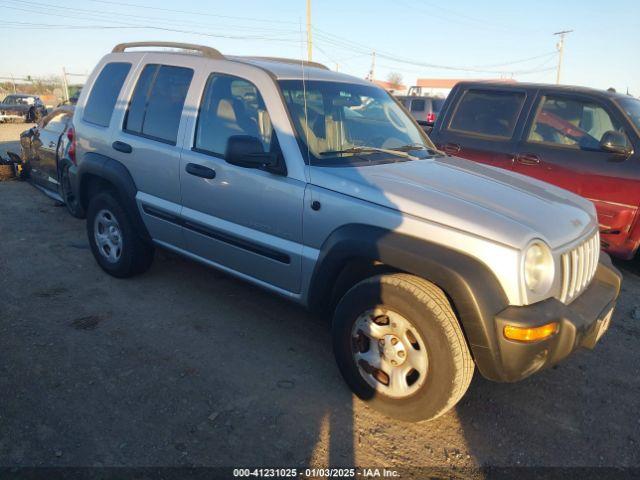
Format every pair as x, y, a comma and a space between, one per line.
481, 125
561, 145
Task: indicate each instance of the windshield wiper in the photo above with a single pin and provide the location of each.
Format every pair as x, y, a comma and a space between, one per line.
364, 149
419, 146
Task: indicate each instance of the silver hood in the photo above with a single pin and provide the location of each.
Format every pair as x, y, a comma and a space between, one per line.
478, 199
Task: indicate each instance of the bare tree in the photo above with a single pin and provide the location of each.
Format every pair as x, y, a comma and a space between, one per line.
395, 79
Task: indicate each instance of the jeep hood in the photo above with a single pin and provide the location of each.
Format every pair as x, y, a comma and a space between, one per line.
493, 203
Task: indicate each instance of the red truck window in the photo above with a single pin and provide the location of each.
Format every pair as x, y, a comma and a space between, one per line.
570, 122
488, 112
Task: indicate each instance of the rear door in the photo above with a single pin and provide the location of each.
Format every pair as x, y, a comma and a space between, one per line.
148, 142
482, 125
44, 146
561, 145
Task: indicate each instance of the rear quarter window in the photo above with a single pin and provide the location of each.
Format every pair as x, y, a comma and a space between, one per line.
105, 91
488, 112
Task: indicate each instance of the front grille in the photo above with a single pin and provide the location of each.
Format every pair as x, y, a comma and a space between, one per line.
578, 268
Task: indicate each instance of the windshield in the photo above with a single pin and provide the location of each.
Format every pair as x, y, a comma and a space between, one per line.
631, 106
346, 122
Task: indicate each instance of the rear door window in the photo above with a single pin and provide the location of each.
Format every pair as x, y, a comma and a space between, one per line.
105, 91
418, 105
488, 112
156, 106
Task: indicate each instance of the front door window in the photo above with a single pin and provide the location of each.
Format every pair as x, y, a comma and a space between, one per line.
572, 123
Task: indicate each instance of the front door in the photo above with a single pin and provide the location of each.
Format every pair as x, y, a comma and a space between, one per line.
244, 219
562, 146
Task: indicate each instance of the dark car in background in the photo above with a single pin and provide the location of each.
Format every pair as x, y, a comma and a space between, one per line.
424, 109
21, 107
47, 151
581, 139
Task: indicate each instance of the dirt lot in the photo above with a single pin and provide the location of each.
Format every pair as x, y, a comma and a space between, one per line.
187, 366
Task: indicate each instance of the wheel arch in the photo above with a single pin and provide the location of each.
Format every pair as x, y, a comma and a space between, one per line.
472, 288
98, 172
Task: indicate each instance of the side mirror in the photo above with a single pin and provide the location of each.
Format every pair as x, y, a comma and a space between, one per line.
615, 142
247, 151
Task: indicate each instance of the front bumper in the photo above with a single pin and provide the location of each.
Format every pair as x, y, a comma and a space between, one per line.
581, 323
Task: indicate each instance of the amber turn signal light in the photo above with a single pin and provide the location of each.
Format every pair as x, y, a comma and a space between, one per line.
530, 334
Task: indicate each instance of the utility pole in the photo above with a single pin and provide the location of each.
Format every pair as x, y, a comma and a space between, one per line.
372, 72
309, 36
560, 47
65, 85
13, 81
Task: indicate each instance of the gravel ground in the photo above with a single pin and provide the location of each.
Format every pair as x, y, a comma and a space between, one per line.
186, 366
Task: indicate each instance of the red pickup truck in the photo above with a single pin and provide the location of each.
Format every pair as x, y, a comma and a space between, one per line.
584, 140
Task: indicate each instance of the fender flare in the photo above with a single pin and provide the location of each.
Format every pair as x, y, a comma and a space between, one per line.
472, 287
118, 177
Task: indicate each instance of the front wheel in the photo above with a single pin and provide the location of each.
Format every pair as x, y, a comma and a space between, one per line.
115, 244
400, 348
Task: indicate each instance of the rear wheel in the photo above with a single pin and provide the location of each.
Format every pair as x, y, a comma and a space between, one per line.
116, 246
400, 347
71, 200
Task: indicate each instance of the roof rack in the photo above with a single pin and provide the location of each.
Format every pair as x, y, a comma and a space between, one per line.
210, 52
205, 51
291, 61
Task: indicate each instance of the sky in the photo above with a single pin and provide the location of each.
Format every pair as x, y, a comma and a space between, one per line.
415, 38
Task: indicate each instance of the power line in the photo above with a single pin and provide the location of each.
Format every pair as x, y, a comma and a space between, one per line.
467, 21
326, 37
124, 25
192, 12
357, 47
117, 17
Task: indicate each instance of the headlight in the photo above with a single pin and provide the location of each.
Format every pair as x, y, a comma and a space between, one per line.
539, 268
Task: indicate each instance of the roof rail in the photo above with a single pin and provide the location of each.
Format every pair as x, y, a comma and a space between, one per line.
205, 51
291, 61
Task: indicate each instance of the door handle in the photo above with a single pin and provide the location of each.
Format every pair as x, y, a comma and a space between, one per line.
200, 170
452, 148
122, 147
528, 159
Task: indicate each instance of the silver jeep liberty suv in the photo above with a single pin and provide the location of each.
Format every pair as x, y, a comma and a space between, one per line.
318, 186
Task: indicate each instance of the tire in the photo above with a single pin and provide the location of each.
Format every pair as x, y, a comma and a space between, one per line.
122, 252
417, 316
71, 200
